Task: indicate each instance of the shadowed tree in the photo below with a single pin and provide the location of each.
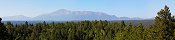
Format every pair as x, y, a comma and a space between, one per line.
3, 31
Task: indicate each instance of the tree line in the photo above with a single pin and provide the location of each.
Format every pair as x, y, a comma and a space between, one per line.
162, 29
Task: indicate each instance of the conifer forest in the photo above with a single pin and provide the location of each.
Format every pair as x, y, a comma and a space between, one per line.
163, 28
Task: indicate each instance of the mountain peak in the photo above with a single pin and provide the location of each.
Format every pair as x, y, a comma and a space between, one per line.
20, 16
68, 15
61, 10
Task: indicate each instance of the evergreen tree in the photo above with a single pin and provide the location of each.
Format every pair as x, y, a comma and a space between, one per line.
164, 26
10, 30
3, 31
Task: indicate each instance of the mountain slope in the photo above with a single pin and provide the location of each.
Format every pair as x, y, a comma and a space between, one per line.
67, 15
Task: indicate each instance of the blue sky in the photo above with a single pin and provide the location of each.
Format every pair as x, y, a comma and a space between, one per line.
120, 8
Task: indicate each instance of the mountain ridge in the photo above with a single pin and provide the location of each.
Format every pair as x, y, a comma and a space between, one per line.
67, 15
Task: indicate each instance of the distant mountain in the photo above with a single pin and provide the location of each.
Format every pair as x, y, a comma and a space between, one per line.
67, 15
150, 18
127, 18
16, 18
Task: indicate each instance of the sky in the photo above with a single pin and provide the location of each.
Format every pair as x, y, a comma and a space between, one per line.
119, 8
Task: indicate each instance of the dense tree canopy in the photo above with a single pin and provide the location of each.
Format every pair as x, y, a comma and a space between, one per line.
162, 29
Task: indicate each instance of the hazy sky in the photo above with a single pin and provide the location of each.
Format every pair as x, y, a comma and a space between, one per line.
120, 8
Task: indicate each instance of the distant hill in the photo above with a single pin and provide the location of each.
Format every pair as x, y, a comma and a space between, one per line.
16, 18
67, 15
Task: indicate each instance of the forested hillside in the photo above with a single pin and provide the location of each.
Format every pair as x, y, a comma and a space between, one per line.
162, 29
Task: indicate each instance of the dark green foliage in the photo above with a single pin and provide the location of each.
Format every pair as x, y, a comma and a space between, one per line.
3, 31
164, 25
162, 29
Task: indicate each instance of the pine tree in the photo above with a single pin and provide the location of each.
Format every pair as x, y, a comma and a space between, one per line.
26, 23
3, 31
10, 30
164, 24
